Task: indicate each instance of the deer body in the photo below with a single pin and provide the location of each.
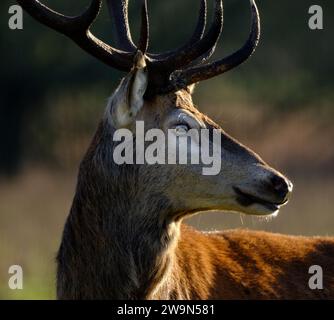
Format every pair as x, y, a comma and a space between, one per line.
190, 264
124, 237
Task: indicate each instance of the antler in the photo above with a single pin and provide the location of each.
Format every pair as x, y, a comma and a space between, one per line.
197, 35
183, 78
118, 11
169, 71
145, 29
195, 49
77, 28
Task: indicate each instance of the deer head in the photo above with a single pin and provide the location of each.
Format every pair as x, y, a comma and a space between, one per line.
158, 91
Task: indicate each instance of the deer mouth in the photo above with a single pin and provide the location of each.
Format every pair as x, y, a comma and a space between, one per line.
245, 199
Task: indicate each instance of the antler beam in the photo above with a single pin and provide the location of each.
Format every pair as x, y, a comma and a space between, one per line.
77, 28
169, 71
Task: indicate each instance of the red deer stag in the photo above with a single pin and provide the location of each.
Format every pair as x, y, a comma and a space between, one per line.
124, 237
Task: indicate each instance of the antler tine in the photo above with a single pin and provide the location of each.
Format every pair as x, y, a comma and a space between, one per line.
59, 22
210, 52
197, 35
181, 79
144, 30
77, 28
118, 11
165, 70
201, 23
192, 51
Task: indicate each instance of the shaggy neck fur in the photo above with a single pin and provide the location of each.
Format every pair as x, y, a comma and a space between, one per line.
116, 243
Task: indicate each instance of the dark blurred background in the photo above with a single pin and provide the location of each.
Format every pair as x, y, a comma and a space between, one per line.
280, 103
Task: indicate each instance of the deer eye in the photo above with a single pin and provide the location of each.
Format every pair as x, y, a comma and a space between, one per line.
181, 129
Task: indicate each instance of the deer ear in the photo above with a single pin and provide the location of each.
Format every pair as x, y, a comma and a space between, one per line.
128, 99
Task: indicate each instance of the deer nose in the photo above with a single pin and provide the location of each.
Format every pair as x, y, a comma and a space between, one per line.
282, 186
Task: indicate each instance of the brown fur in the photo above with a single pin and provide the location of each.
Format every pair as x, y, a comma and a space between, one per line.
242, 264
124, 237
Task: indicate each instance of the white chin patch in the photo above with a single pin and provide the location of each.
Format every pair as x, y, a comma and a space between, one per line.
260, 210
275, 213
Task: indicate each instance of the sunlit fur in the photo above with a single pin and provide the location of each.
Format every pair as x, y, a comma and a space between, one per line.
125, 238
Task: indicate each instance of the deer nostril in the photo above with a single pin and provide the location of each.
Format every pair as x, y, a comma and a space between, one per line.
282, 186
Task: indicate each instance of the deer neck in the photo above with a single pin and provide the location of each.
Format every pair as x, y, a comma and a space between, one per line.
123, 247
